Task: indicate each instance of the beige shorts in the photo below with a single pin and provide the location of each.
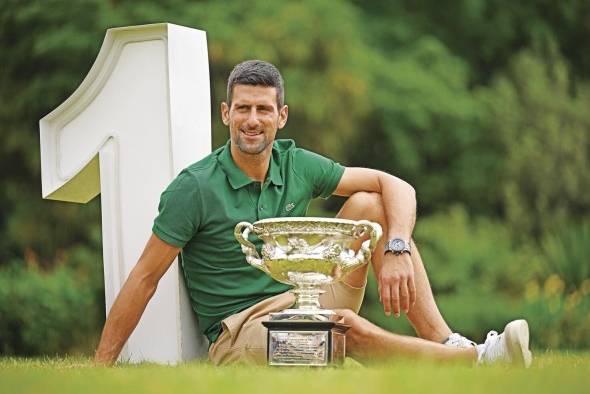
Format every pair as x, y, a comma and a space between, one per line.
243, 339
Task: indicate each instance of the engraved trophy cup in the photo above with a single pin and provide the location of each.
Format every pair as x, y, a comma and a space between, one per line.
307, 253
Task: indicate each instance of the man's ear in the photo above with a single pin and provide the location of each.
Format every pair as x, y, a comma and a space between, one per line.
283, 115
225, 113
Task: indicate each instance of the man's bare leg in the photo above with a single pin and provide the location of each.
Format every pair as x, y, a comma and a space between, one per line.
364, 340
424, 315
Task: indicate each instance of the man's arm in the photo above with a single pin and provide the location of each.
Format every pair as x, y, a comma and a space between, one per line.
396, 279
129, 305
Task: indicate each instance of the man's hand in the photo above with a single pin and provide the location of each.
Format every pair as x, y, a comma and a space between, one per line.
397, 290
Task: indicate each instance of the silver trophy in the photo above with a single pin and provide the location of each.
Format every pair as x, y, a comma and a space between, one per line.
307, 253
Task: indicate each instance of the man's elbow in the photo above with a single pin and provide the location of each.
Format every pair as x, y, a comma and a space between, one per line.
404, 186
410, 190
411, 193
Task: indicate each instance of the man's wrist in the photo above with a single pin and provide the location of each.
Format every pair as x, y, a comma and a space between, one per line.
398, 246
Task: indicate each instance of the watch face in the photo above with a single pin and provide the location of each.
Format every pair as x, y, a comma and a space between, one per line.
397, 245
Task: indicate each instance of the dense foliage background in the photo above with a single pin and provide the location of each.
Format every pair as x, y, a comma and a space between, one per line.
483, 105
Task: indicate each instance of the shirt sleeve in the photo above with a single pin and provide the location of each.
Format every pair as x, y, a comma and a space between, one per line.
179, 211
322, 173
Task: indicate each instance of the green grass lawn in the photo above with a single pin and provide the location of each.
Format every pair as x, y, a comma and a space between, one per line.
550, 373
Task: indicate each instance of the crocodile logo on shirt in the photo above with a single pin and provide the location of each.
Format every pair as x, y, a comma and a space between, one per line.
289, 207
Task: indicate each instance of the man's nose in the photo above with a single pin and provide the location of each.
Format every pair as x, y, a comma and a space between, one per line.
253, 118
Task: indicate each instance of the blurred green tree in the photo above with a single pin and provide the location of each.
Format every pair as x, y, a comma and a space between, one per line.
426, 127
486, 34
544, 130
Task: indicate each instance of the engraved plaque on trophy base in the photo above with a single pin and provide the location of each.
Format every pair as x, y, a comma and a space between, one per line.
305, 343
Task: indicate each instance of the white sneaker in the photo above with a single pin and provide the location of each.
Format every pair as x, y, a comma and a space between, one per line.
459, 341
512, 346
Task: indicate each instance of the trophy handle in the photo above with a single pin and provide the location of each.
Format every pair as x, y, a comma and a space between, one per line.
364, 254
241, 232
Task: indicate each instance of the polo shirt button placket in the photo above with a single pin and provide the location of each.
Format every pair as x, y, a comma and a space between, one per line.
260, 201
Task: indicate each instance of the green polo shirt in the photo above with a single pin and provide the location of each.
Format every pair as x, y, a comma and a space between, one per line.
200, 208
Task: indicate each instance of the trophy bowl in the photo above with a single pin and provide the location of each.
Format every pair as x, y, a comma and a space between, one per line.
308, 252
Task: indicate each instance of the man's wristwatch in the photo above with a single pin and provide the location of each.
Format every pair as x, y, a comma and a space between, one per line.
398, 246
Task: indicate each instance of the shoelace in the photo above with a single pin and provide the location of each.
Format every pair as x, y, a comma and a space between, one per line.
493, 348
458, 340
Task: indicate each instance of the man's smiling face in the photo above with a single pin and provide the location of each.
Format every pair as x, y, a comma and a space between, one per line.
253, 118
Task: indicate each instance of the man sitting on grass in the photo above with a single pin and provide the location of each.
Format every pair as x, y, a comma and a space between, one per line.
255, 177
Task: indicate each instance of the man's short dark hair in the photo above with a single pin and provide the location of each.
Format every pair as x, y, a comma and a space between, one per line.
256, 72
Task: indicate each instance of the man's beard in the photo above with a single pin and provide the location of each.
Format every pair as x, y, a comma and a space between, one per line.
250, 149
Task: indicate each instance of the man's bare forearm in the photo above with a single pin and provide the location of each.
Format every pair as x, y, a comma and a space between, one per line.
399, 203
124, 316
135, 294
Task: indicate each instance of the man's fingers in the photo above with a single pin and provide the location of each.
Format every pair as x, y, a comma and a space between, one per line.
412, 289
395, 298
405, 296
385, 294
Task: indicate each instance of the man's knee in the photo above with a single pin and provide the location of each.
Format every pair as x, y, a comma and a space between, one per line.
366, 205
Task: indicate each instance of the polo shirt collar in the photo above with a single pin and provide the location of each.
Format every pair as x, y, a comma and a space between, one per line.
238, 179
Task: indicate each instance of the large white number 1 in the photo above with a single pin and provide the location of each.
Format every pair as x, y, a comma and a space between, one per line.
140, 116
